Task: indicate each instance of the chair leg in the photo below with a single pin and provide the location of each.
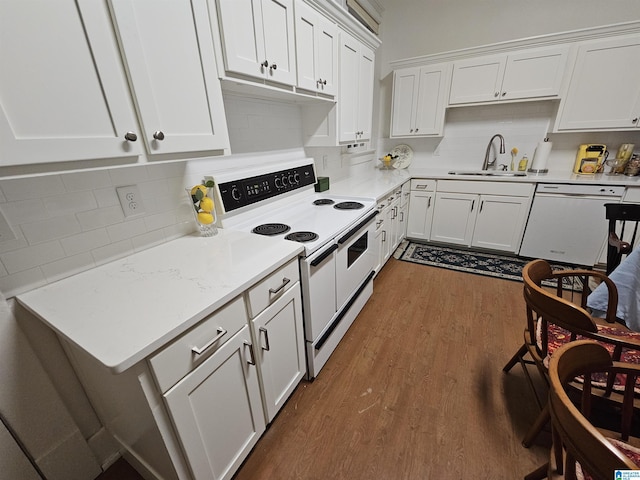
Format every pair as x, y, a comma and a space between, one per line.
516, 358
536, 428
539, 473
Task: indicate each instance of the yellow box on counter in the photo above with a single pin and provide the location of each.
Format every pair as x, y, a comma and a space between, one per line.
590, 158
322, 184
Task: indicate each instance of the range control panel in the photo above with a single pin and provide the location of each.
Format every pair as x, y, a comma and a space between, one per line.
243, 192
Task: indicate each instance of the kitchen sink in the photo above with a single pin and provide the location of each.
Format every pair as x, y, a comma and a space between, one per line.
488, 173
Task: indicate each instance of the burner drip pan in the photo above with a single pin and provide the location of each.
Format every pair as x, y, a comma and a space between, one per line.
270, 229
302, 236
348, 206
324, 201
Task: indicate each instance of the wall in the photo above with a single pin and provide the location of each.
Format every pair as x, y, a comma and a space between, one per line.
412, 28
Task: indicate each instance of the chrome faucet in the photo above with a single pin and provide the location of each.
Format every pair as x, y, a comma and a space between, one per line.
487, 163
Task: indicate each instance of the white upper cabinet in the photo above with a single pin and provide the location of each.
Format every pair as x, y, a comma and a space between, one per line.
316, 50
534, 73
355, 101
71, 100
258, 38
168, 51
419, 98
604, 91
63, 91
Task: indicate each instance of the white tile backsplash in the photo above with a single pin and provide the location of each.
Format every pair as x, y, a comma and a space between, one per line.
32, 256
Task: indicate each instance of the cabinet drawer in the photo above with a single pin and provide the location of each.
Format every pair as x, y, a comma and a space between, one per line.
264, 293
180, 357
423, 185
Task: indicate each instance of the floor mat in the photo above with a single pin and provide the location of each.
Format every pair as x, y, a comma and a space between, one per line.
479, 263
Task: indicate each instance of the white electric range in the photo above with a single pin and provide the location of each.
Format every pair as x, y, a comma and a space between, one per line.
337, 232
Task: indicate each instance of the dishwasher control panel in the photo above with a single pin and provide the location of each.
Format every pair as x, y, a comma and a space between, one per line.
573, 189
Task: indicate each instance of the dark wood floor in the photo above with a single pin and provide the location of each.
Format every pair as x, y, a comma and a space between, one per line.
414, 391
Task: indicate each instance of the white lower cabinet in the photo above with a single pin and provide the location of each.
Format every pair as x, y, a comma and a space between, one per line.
453, 218
492, 219
421, 208
195, 408
217, 410
279, 349
500, 222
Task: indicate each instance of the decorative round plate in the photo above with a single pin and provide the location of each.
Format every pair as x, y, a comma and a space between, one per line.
404, 154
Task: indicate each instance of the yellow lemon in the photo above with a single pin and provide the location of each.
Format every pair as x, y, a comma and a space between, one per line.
206, 205
198, 192
205, 218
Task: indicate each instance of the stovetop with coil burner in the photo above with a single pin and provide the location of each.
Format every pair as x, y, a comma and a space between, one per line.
312, 220
281, 202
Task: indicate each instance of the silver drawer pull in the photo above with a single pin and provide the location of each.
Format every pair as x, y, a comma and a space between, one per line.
266, 339
252, 360
200, 350
285, 282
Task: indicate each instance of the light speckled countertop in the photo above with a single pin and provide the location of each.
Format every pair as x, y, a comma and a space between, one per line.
378, 183
122, 311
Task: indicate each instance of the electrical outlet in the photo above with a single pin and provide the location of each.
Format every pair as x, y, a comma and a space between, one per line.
6, 233
130, 200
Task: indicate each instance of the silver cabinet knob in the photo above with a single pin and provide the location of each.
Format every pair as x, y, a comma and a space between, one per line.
265, 63
417, 130
158, 135
273, 66
635, 120
130, 137
496, 94
504, 93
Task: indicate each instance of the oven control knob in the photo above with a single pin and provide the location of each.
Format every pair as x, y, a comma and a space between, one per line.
292, 180
235, 193
296, 177
284, 180
278, 182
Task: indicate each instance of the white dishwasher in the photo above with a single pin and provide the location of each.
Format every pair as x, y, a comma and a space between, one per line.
567, 222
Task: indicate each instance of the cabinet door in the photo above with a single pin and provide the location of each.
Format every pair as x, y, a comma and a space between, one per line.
217, 410
279, 40
604, 92
477, 80
349, 91
280, 349
242, 36
316, 50
431, 99
500, 222
327, 57
63, 91
454, 217
170, 60
420, 215
535, 73
365, 93
404, 101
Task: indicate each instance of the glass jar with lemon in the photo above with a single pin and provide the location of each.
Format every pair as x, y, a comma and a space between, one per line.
204, 209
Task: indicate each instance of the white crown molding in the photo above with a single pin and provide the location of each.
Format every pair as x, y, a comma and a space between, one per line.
346, 22
529, 42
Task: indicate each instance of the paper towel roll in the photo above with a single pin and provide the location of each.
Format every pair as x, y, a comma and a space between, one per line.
540, 157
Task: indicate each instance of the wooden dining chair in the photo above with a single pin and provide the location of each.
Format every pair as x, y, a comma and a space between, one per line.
553, 320
623, 231
589, 436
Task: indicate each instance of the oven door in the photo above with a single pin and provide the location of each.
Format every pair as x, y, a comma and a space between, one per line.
355, 259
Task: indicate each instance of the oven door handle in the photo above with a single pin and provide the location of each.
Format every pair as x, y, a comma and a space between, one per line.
355, 229
318, 260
